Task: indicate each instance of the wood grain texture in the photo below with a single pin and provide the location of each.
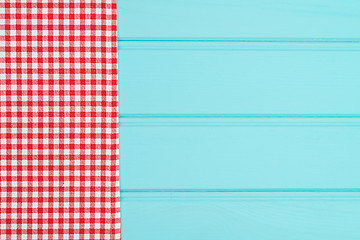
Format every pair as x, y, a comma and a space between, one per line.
240, 82
189, 19
237, 218
239, 157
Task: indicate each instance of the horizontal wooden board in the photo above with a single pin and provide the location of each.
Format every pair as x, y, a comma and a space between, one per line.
263, 154
239, 78
173, 19
240, 218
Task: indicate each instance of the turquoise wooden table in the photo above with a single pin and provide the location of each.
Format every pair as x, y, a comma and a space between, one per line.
239, 119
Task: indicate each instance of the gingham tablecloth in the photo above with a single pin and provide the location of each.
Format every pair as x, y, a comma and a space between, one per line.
59, 120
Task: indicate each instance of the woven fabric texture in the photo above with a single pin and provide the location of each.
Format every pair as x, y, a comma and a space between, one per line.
59, 120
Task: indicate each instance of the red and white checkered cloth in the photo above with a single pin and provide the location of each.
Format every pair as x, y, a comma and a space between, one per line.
59, 120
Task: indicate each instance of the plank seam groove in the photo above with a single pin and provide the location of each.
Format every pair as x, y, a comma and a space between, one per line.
267, 190
265, 40
242, 45
241, 194
239, 116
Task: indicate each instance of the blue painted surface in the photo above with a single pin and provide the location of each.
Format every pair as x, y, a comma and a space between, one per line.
239, 119
239, 82
144, 19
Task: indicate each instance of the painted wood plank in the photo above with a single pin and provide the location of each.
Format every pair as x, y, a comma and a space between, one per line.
258, 81
239, 119
241, 218
173, 19
263, 155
